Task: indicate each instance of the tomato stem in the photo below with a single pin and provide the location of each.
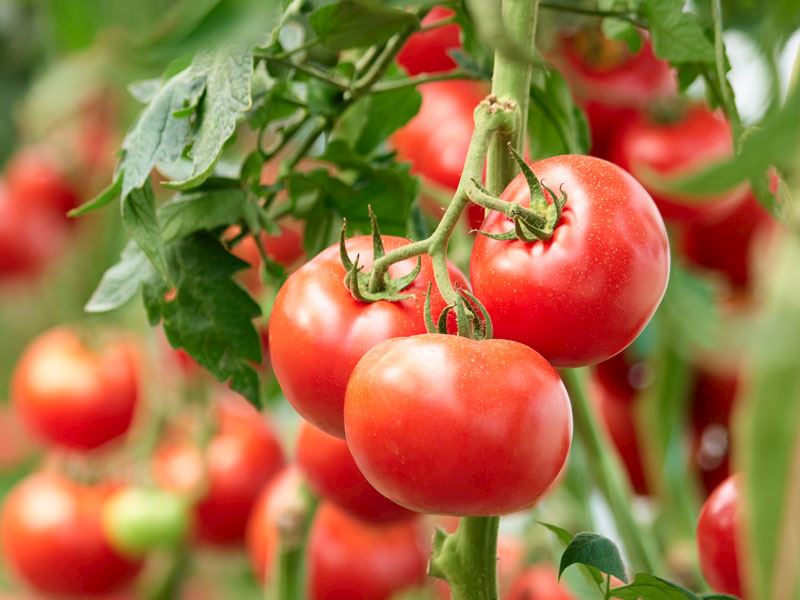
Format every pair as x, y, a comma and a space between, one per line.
290, 568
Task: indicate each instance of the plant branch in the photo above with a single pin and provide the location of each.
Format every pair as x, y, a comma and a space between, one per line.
397, 84
437, 24
467, 559
309, 70
725, 90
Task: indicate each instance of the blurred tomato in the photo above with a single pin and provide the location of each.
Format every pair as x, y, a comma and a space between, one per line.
242, 456
285, 248
538, 583
35, 178
73, 395
52, 538
427, 51
718, 531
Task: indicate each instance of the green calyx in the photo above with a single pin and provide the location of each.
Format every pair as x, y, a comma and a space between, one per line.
472, 318
358, 281
534, 223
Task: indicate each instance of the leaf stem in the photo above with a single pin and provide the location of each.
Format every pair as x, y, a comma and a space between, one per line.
398, 84
725, 91
309, 70
437, 24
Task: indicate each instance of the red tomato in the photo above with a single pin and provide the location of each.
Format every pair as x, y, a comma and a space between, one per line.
35, 178
718, 531
72, 395
52, 538
585, 294
427, 51
436, 140
699, 137
240, 459
448, 425
318, 331
30, 237
610, 83
538, 583
333, 474
726, 245
349, 559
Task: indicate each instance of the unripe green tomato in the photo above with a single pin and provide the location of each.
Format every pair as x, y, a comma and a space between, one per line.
137, 520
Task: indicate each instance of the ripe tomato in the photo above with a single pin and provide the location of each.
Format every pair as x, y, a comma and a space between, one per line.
349, 559
610, 83
240, 459
35, 178
333, 474
73, 396
718, 531
318, 331
586, 293
427, 51
678, 147
447, 425
53, 539
436, 140
538, 583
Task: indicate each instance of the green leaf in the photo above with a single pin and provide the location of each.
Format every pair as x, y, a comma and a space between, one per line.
121, 281
596, 551
102, 199
144, 91
188, 213
227, 74
556, 124
650, 587
358, 23
624, 31
564, 536
717, 597
678, 36
210, 316
141, 223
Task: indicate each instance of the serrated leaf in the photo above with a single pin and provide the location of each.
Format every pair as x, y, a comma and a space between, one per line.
595, 551
358, 24
188, 213
108, 195
141, 223
650, 587
121, 281
678, 36
227, 74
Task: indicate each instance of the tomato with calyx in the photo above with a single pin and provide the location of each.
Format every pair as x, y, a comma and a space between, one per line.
427, 51
611, 83
538, 582
72, 395
676, 146
718, 530
436, 140
35, 178
331, 471
318, 331
242, 457
448, 425
586, 293
53, 539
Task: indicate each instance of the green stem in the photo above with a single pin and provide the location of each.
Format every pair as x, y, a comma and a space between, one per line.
594, 12
512, 81
309, 70
290, 563
169, 586
438, 24
398, 84
607, 471
725, 91
467, 559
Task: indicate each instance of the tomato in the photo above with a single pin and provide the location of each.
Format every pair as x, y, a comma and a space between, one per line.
538, 582
349, 559
436, 140
671, 148
30, 237
72, 395
586, 293
137, 520
318, 331
52, 538
725, 245
718, 531
448, 425
610, 83
36, 178
285, 248
333, 474
427, 51
241, 458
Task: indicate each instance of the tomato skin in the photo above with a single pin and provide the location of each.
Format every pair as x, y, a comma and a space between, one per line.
433, 385
426, 51
585, 294
73, 396
36, 178
698, 138
318, 331
349, 559
241, 458
332, 472
538, 582
52, 537
718, 530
